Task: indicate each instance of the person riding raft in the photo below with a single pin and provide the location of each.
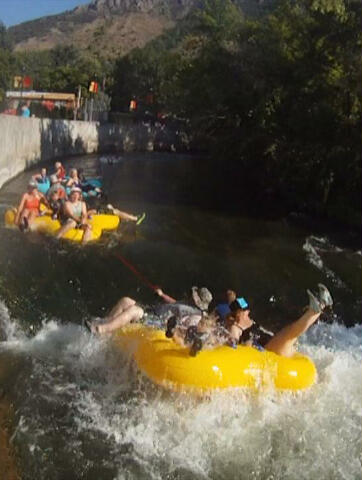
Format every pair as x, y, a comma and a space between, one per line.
75, 215
241, 329
29, 206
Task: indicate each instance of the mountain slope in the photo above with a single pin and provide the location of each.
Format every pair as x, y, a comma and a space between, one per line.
110, 28
106, 27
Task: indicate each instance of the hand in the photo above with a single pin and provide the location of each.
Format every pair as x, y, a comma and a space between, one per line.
159, 292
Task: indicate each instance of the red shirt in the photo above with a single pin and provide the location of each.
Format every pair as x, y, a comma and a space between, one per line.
60, 173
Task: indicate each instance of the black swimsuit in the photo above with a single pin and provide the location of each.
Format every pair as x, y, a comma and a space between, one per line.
256, 334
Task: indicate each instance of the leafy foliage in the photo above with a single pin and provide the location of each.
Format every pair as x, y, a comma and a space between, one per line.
277, 98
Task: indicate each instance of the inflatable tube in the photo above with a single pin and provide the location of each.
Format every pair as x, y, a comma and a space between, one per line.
105, 221
171, 366
43, 187
90, 193
46, 225
95, 182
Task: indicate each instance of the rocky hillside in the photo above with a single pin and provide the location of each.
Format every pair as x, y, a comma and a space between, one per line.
110, 28
106, 27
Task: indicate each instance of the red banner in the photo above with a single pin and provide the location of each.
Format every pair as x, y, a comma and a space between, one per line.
27, 82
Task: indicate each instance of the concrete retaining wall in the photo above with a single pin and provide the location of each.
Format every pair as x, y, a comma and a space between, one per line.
26, 141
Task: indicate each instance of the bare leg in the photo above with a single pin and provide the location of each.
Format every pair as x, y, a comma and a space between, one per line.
65, 228
25, 214
123, 215
32, 216
131, 314
87, 235
283, 342
123, 304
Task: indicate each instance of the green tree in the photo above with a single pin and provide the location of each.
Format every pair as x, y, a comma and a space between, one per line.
280, 98
6, 61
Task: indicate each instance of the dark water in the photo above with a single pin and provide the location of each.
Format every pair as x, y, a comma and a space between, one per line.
82, 411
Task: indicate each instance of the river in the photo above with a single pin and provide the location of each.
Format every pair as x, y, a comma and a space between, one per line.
80, 410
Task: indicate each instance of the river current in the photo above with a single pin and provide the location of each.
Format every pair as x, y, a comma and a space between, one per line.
80, 408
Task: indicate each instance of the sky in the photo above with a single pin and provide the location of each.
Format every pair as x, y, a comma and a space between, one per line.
17, 11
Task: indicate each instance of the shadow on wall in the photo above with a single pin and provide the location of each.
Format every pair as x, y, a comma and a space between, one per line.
59, 138
111, 138
141, 136
130, 137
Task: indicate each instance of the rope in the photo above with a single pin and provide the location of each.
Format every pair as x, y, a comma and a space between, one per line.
136, 272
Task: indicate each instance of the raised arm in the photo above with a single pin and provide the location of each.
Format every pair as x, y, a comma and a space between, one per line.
165, 298
44, 199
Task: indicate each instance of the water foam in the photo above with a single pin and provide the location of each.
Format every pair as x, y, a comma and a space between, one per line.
313, 247
238, 434
10, 330
86, 397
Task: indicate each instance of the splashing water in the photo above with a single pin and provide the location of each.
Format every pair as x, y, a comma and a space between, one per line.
83, 409
314, 246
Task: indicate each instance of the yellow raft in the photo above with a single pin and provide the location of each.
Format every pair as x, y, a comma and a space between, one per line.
46, 225
171, 366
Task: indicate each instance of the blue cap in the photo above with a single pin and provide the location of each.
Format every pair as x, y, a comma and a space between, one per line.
242, 302
239, 303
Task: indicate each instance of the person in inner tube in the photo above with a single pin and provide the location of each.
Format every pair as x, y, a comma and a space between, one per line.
223, 308
56, 204
75, 215
240, 328
243, 329
29, 207
196, 327
179, 315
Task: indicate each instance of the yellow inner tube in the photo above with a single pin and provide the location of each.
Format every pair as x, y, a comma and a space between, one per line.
46, 225
171, 366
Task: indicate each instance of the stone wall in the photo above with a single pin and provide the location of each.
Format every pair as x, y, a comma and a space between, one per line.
26, 141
